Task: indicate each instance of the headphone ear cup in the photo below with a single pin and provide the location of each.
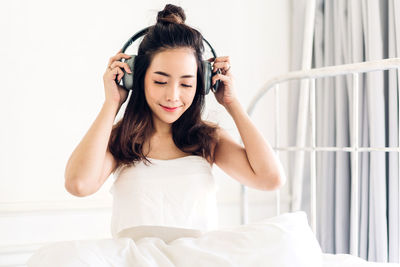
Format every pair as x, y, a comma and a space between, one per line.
207, 71
208, 74
127, 79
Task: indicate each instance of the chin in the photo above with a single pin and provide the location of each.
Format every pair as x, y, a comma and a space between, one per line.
169, 118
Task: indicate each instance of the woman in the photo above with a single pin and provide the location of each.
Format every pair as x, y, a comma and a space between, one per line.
165, 212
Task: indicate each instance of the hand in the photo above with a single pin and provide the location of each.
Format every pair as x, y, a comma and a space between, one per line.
114, 92
225, 94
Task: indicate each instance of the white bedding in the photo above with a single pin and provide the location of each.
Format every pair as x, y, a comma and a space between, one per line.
285, 241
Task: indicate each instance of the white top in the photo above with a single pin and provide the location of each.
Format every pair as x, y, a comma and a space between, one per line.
177, 193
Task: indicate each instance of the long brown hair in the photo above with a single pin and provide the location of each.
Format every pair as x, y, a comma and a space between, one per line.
190, 133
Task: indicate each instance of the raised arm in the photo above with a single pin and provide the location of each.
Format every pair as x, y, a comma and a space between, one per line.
91, 163
84, 167
255, 164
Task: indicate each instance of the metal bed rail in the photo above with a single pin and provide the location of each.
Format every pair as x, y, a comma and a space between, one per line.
309, 76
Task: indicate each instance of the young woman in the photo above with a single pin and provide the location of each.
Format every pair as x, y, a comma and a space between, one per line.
161, 152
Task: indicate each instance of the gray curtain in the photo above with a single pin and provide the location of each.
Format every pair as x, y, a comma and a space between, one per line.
349, 32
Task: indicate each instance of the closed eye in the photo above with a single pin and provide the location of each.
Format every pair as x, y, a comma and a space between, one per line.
185, 85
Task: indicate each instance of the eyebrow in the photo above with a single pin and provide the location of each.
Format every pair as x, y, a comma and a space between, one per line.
166, 74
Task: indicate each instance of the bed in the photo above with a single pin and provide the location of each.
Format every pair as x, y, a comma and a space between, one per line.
284, 240
308, 78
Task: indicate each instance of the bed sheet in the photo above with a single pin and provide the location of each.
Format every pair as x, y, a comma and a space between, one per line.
282, 241
346, 260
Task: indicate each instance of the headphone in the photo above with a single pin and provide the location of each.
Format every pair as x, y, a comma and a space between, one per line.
127, 79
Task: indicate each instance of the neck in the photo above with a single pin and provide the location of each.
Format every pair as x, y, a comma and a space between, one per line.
162, 129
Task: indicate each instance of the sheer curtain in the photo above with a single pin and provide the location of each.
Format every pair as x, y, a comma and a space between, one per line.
350, 32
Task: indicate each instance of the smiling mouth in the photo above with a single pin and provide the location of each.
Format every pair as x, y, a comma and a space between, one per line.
169, 109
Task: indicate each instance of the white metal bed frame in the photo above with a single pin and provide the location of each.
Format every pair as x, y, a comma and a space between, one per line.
310, 76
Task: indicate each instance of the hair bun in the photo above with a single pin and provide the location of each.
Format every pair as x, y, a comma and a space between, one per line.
171, 14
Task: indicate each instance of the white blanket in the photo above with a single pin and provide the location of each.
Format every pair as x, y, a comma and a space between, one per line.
285, 241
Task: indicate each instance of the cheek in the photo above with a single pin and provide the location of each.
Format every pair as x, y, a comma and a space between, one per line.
152, 93
189, 96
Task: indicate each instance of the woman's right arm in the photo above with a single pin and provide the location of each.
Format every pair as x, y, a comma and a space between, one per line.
85, 164
91, 163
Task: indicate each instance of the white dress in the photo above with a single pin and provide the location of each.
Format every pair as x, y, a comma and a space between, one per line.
165, 214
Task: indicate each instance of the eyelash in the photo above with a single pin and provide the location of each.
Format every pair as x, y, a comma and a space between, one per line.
184, 85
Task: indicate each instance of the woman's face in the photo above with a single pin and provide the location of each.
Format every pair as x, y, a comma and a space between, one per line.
170, 81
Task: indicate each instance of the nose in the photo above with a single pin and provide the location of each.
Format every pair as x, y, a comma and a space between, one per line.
172, 93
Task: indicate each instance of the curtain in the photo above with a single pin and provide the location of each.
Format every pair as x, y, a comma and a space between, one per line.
349, 32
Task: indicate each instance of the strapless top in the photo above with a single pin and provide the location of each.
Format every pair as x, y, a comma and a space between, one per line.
164, 196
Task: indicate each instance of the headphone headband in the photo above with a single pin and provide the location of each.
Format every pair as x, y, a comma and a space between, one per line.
145, 30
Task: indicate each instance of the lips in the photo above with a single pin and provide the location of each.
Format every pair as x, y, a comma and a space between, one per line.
169, 108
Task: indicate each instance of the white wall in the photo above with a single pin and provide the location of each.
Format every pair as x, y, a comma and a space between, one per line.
53, 56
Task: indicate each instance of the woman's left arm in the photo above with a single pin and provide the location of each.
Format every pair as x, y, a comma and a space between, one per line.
260, 155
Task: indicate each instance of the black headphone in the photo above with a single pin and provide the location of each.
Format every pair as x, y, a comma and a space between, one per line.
127, 79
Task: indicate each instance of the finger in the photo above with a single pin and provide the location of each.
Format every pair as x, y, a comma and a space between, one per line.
221, 65
211, 59
116, 73
122, 65
120, 74
122, 55
220, 77
219, 59
118, 57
